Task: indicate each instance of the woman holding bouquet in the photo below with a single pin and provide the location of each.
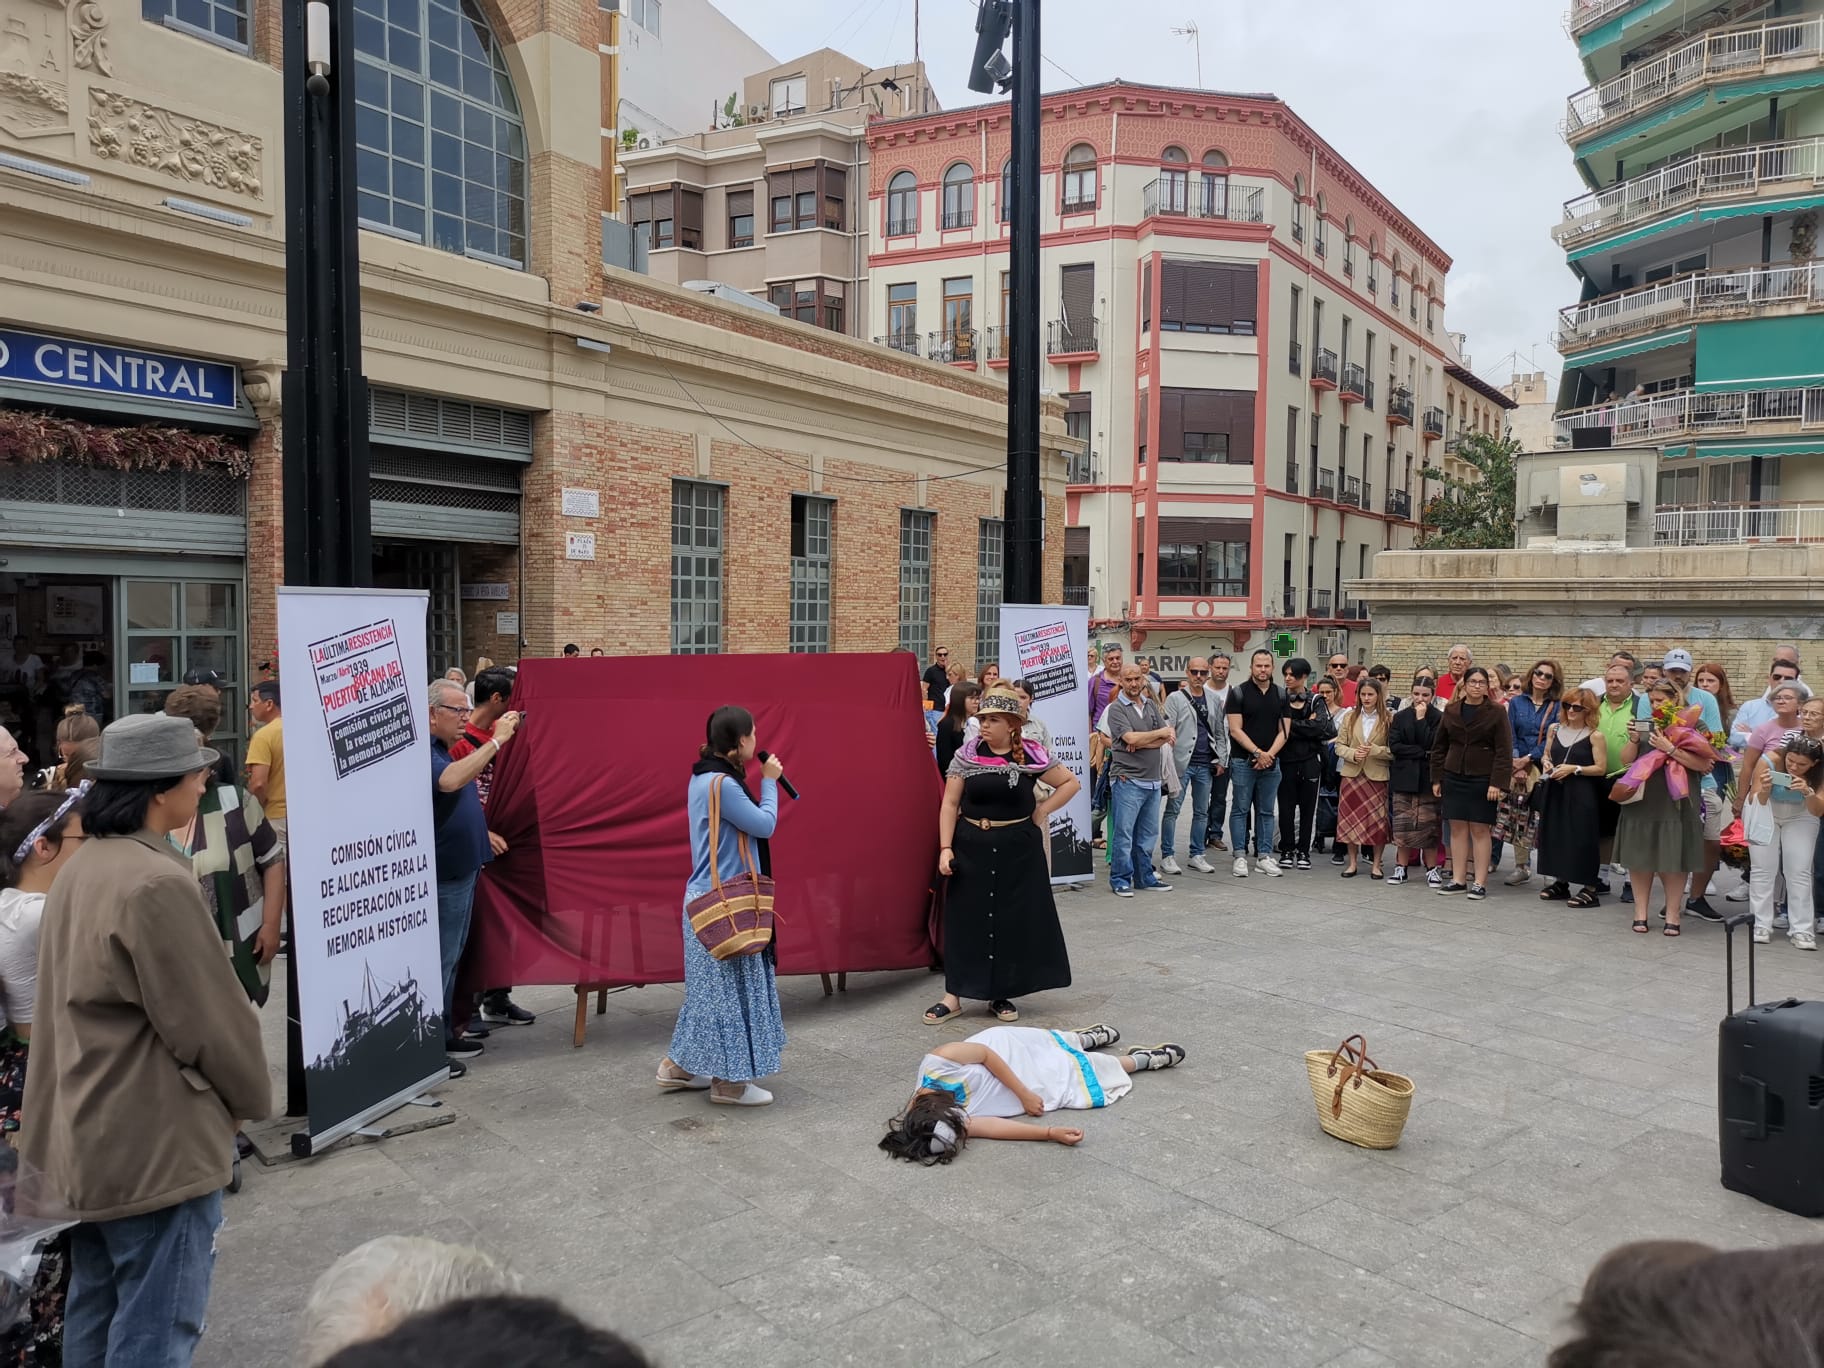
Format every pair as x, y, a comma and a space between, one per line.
1661, 833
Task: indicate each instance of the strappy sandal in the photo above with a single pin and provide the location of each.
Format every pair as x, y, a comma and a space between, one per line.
1671, 929
1640, 925
1586, 897
941, 1013
1559, 891
1004, 1010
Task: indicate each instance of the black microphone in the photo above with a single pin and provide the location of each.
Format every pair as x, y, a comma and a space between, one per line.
784, 783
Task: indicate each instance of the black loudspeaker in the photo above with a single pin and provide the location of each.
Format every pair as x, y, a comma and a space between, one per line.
1584, 439
1770, 1095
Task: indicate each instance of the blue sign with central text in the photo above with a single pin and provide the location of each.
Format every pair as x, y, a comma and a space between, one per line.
96, 368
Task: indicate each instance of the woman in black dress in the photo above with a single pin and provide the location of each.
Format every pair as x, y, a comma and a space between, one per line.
1472, 763
953, 727
1570, 823
1001, 934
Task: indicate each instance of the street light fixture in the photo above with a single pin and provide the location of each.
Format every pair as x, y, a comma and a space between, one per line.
317, 48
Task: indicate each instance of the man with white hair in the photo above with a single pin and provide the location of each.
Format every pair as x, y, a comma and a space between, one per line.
1459, 660
462, 842
1760, 710
12, 768
374, 1286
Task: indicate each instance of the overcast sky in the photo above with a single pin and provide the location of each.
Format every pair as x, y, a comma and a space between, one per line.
1449, 107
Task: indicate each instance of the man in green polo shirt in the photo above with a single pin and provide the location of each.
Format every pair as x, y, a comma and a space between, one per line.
1617, 707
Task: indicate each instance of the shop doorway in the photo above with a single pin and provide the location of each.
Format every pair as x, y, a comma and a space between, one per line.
431, 567
115, 636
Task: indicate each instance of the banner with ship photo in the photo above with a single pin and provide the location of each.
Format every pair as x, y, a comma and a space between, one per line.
1048, 647
363, 861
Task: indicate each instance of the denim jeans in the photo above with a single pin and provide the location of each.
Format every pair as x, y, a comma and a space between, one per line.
139, 1286
455, 900
1197, 784
1297, 811
1217, 829
1256, 791
1133, 828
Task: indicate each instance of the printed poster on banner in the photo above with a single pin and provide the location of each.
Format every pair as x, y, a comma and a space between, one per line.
362, 851
1048, 647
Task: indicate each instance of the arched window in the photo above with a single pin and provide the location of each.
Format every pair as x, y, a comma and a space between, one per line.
1007, 191
959, 196
1322, 246
441, 147
902, 205
1080, 178
1174, 182
1298, 208
1213, 186
1216, 159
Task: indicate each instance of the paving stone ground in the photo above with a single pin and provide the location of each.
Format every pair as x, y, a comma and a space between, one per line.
1566, 1103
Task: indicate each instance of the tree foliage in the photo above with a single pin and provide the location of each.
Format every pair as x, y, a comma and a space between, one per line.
1473, 512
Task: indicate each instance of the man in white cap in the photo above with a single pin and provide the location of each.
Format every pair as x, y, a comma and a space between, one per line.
1678, 667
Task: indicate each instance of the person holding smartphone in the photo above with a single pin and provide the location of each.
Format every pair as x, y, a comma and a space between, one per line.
1659, 836
1781, 820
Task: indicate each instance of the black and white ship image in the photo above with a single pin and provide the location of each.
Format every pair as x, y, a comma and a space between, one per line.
381, 1029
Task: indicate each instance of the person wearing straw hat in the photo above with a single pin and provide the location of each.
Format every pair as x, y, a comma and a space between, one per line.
145, 1056
1002, 939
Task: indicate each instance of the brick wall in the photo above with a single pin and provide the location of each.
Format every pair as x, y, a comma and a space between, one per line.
489, 565
1744, 658
265, 544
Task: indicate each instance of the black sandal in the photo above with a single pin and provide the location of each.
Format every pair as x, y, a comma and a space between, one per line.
1004, 1010
1559, 891
1672, 929
1585, 898
1640, 925
941, 1013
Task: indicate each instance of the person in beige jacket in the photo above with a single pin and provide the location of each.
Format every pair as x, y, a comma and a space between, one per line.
1363, 815
145, 1057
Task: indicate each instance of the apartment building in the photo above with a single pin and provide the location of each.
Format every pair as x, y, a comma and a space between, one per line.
1471, 406
1246, 333
1700, 326
1533, 418
669, 67
775, 204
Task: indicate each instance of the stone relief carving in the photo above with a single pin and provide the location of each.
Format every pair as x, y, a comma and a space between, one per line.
187, 149
89, 36
34, 68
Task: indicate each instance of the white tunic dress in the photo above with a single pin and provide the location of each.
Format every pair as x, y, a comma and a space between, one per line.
1064, 1077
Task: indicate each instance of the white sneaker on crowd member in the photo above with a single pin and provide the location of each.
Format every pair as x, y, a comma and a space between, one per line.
1240, 868
1397, 874
1201, 865
1782, 922
1737, 894
1762, 935
1269, 866
1804, 940
1169, 865
1435, 877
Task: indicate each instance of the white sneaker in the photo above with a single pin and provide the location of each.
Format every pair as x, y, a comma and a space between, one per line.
1169, 865
1201, 865
1781, 922
1803, 940
1397, 874
749, 1096
1269, 866
1762, 935
1435, 877
1738, 895
1240, 868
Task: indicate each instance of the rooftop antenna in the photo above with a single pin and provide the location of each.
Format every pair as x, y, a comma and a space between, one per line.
1189, 30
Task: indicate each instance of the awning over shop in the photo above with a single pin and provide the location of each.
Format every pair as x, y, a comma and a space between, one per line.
1761, 353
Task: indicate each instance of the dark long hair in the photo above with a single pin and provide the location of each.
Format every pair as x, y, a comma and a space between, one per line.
118, 807
910, 1134
956, 713
728, 726
21, 818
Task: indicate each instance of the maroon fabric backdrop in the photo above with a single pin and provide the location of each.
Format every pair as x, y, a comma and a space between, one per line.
590, 798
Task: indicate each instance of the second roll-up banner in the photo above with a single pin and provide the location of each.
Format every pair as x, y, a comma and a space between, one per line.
1048, 647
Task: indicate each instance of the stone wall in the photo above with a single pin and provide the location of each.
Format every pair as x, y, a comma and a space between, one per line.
1727, 604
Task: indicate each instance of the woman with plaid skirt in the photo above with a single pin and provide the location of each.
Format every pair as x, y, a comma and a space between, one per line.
1363, 753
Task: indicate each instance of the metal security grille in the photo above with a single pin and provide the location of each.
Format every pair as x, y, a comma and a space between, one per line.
437, 496
417, 419
812, 526
156, 491
696, 568
988, 589
915, 581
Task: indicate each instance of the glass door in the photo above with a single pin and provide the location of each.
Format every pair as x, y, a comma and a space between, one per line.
177, 625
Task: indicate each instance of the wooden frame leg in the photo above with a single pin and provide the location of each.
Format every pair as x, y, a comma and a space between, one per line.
582, 1017
827, 990
601, 1002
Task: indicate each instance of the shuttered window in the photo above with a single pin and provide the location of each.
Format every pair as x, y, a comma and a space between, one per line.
808, 196
740, 218
1212, 426
1203, 557
672, 217
1077, 295
1208, 297
1146, 296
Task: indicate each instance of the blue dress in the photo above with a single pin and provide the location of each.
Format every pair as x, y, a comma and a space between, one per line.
729, 1026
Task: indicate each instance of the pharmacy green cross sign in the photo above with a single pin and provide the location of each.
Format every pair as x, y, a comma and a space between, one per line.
1284, 643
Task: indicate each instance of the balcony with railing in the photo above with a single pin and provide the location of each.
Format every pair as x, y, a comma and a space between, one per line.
1326, 484
1082, 468
1320, 603
1074, 337
956, 345
1323, 369
1784, 287
1399, 407
1211, 197
1295, 359
1368, 496
1368, 393
1693, 414
902, 225
1355, 384
906, 342
1725, 176
1288, 602
1351, 493
1738, 525
1353, 611
1076, 595
1399, 504
1586, 14
1433, 424
1722, 55
1291, 477
997, 345
958, 218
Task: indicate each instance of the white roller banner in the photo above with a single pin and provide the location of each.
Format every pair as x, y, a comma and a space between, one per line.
363, 854
1048, 647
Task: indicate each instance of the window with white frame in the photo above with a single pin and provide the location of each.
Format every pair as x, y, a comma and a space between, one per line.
813, 522
988, 589
218, 21
696, 568
902, 205
788, 96
1080, 177
915, 531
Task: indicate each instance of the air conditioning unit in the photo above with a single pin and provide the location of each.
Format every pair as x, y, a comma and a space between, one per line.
644, 144
755, 113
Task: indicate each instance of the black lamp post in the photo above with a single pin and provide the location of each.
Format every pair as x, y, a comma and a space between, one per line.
1024, 535
328, 528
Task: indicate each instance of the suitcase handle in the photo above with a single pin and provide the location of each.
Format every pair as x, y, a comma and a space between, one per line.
1729, 925
1754, 1125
